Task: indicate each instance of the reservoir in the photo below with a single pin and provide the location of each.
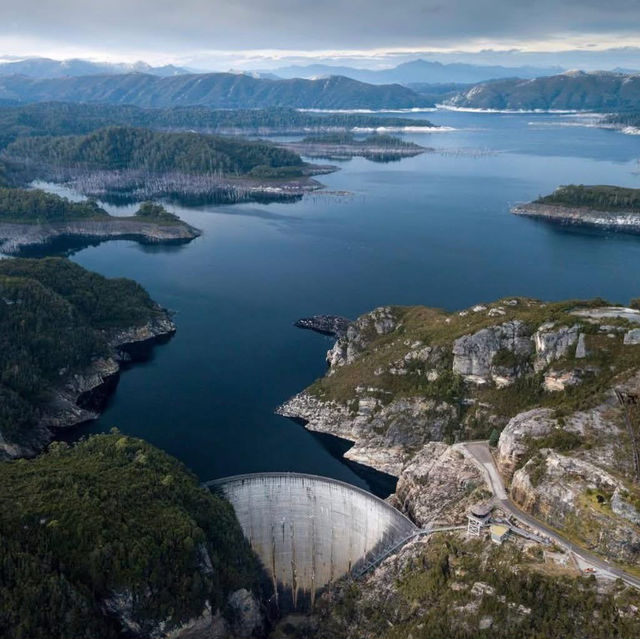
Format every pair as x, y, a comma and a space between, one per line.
434, 230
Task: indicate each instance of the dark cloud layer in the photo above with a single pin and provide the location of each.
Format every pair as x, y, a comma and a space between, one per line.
187, 25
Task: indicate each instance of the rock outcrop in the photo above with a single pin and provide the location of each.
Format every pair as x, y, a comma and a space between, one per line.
333, 325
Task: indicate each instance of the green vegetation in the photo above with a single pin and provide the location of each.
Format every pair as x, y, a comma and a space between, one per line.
151, 212
55, 316
447, 587
57, 118
346, 138
600, 198
118, 148
37, 207
111, 518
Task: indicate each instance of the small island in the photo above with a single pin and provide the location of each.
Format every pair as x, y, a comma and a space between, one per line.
344, 146
34, 219
613, 208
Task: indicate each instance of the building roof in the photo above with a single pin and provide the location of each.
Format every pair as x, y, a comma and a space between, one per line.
499, 530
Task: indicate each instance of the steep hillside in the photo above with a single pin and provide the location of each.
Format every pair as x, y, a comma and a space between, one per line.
404, 382
111, 538
220, 90
576, 90
63, 333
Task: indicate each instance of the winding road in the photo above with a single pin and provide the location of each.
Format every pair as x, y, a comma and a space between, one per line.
480, 454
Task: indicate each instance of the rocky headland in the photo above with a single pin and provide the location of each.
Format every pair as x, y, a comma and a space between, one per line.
406, 384
332, 325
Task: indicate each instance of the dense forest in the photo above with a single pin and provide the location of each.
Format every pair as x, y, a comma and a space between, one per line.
376, 140
55, 118
34, 206
55, 316
108, 529
600, 198
119, 148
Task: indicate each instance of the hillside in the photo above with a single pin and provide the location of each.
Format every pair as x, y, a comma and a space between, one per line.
219, 90
134, 164
63, 333
579, 91
110, 538
406, 383
117, 148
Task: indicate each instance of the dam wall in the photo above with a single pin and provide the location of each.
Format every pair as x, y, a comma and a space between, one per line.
309, 530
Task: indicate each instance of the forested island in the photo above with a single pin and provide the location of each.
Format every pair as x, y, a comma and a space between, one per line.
31, 219
601, 206
340, 146
64, 333
57, 118
142, 164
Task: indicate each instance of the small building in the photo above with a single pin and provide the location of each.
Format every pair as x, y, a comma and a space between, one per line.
498, 533
478, 517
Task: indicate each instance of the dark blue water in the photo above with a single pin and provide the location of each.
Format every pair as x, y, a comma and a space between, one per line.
431, 230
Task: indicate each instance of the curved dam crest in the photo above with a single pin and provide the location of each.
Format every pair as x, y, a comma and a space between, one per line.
309, 531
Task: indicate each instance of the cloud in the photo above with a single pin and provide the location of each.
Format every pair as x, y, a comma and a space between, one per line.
165, 30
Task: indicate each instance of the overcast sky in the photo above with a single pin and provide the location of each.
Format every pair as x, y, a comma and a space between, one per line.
263, 33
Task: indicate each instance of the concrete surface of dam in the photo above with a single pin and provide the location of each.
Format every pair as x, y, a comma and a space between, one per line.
309, 530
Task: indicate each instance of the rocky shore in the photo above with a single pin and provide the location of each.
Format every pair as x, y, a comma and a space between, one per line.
624, 221
347, 151
15, 238
81, 395
333, 325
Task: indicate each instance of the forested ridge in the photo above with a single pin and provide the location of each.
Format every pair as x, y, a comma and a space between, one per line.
59, 118
600, 197
55, 317
115, 524
119, 148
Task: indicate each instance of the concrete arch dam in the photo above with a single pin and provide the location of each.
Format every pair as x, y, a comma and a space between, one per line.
309, 530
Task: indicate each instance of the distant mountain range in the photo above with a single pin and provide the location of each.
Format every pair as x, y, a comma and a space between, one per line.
419, 71
218, 90
48, 68
574, 90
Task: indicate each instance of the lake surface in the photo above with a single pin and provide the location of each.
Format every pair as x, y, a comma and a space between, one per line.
433, 230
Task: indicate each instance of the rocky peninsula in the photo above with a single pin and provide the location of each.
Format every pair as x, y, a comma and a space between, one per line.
538, 379
33, 219
624, 221
609, 208
16, 239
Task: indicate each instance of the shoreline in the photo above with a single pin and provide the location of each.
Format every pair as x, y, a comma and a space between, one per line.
17, 238
620, 221
82, 396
